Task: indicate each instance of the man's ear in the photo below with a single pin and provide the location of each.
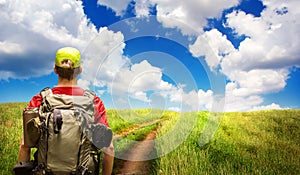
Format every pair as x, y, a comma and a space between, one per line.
54, 69
80, 70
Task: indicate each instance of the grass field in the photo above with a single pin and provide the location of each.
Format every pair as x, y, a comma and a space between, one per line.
263, 142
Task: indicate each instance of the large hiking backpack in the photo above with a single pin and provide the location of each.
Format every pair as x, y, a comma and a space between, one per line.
69, 140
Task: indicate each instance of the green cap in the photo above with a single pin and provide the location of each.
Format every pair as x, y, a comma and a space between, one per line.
67, 57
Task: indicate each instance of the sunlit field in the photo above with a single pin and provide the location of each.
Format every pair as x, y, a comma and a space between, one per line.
262, 142
265, 142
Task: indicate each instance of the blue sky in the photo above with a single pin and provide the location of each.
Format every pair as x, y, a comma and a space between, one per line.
179, 55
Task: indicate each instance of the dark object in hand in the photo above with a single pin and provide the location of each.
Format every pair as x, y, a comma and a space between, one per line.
23, 168
101, 135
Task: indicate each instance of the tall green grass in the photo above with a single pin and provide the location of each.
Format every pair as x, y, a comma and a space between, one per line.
264, 142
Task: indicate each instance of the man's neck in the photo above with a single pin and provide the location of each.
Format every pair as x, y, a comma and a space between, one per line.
62, 82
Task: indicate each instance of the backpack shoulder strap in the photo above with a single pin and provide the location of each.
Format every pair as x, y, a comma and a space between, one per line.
45, 92
90, 94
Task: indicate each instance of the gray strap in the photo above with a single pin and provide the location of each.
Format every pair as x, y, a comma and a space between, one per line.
45, 92
90, 94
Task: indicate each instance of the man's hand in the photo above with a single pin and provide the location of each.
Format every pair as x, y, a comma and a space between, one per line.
108, 159
24, 152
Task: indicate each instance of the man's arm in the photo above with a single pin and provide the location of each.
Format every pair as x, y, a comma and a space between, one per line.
108, 160
24, 153
108, 152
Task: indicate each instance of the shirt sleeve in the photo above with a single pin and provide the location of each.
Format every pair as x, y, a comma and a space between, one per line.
35, 102
100, 112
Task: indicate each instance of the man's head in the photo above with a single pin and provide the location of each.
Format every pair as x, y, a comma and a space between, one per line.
67, 63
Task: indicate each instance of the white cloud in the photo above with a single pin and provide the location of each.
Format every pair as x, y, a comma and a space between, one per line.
176, 109
190, 16
240, 101
140, 95
267, 107
10, 48
193, 100
272, 43
206, 99
213, 45
243, 99
234, 104
138, 79
103, 58
258, 81
118, 6
32, 31
142, 8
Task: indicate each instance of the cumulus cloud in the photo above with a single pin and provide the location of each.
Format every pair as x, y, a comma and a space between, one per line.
261, 63
213, 45
176, 109
141, 81
268, 45
267, 107
31, 31
142, 8
190, 16
194, 100
238, 99
10, 48
118, 6
103, 58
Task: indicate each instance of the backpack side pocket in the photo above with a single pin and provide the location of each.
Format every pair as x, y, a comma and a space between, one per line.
30, 127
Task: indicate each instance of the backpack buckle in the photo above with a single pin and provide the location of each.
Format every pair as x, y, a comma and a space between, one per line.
84, 171
57, 120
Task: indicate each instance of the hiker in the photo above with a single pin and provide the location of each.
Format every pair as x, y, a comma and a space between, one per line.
68, 67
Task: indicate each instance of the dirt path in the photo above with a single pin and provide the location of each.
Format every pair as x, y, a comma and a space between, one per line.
136, 159
127, 132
